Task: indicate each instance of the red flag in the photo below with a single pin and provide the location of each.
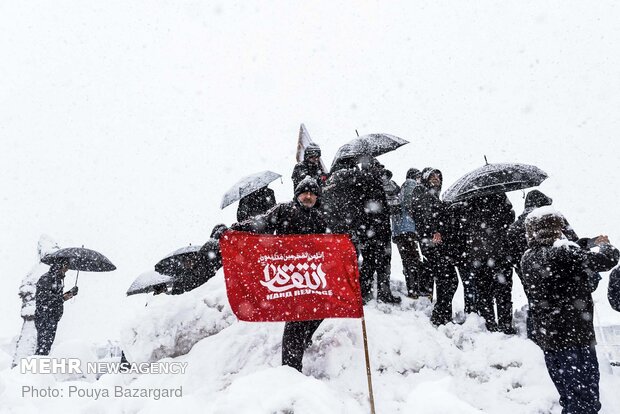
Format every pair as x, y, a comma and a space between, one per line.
291, 278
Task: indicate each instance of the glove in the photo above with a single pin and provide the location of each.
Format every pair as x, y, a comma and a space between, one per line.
74, 290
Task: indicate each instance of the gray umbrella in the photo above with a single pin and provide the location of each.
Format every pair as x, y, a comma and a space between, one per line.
494, 178
174, 263
147, 281
371, 144
247, 185
80, 258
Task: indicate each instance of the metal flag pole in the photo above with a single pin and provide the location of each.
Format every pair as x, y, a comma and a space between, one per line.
368, 374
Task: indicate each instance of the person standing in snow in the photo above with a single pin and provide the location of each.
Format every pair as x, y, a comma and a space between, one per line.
208, 262
50, 305
375, 237
256, 203
562, 309
486, 258
429, 213
404, 233
300, 216
310, 166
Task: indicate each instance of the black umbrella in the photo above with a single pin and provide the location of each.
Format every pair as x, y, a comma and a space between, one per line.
175, 263
494, 178
80, 258
368, 145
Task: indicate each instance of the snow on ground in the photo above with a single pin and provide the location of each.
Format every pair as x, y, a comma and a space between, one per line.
234, 367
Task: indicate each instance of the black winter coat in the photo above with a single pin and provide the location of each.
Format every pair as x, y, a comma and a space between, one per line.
613, 291
305, 168
49, 301
487, 220
342, 201
209, 262
558, 290
376, 219
258, 202
286, 218
428, 211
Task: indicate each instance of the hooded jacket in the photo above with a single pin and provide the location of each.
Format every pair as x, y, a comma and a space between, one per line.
558, 291
49, 300
256, 203
613, 290
428, 211
516, 239
307, 168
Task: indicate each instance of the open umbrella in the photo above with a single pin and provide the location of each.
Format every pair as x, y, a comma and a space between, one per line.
494, 178
174, 264
248, 185
80, 258
371, 144
147, 281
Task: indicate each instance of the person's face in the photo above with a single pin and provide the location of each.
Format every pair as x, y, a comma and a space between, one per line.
434, 180
308, 199
313, 160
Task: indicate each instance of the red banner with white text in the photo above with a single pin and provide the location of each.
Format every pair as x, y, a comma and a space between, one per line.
292, 277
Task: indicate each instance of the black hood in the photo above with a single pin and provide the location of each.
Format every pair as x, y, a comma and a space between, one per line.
426, 173
308, 184
535, 199
217, 231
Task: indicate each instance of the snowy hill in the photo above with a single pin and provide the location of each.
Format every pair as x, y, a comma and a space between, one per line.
234, 367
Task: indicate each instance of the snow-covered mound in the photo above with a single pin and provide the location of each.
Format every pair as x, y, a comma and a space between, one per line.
170, 325
235, 367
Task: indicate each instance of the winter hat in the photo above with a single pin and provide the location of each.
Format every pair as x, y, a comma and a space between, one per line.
544, 225
308, 184
536, 198
217, 231
413, 174
312, 150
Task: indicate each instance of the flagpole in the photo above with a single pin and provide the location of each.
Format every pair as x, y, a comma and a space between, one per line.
368, 375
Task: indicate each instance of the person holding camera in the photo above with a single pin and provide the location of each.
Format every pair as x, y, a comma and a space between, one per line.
557, 273
49, 300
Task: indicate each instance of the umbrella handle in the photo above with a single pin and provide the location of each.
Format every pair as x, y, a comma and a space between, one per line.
76, 277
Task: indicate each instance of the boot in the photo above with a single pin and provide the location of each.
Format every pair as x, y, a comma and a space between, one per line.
387, 297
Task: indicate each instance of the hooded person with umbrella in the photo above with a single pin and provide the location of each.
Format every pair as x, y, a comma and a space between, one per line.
50, 304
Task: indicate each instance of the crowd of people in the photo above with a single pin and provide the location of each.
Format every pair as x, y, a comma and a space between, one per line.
479, 239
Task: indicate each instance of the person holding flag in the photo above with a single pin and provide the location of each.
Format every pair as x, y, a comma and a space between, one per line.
300, 216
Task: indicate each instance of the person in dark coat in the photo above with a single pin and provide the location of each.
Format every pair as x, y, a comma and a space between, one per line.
343, 199
256, 203
562, 309
300, 216
375, 235
486, 261
430, 216
613, 290
404, 233
203, 267
49, 302
310, 166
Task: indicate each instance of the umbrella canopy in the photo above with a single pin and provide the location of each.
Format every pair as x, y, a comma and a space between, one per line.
247, 185
494, 178
80, 258
147, 281
371, 144
174, 263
